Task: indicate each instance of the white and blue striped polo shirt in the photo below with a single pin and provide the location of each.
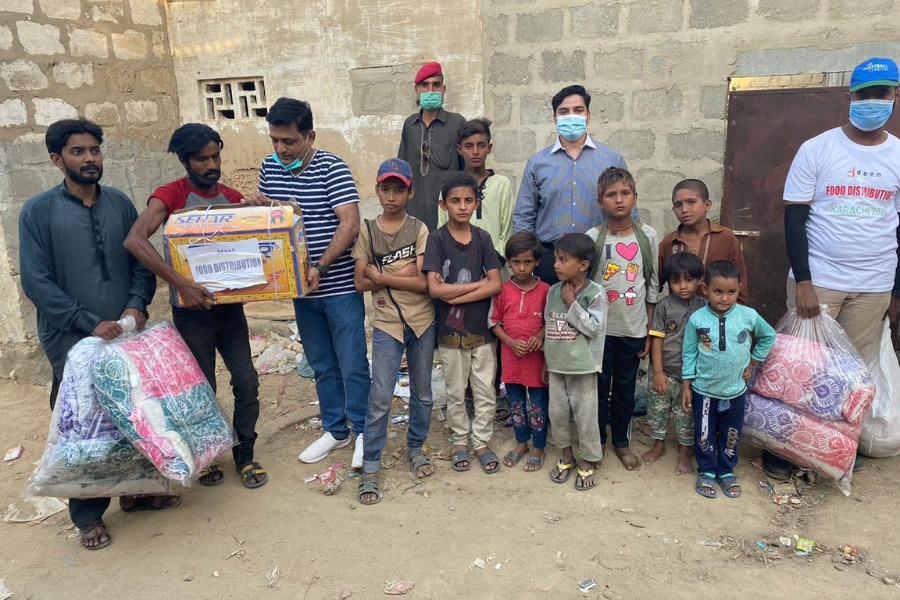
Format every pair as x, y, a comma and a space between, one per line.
324, 185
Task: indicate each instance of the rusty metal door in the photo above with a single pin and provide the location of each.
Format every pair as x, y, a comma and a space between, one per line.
765, 129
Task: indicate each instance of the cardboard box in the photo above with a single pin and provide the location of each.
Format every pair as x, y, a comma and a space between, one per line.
278, 230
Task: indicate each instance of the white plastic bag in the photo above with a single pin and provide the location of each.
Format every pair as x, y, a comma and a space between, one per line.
880, 437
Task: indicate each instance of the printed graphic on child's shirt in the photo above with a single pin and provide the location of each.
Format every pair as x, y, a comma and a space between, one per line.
559, 329
703, 334
456, 316
628, 252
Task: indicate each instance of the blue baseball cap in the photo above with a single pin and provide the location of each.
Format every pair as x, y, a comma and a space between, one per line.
395, 167
875, 71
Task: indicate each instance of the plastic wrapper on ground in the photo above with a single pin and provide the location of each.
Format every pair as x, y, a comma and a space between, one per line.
152, 389
810, 397
86, 454
880, 437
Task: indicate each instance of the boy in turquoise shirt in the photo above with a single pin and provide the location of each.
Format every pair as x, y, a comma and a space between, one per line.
718, 356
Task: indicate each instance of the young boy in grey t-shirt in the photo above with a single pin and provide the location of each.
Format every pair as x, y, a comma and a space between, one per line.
683, 272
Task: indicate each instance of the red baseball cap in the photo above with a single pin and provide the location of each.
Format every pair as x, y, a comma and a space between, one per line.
428, 70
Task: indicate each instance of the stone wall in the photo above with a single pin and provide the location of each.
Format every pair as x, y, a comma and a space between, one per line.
658, 71
107, 60
353, 60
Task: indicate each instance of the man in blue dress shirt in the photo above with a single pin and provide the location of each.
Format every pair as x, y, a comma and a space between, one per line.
558, 193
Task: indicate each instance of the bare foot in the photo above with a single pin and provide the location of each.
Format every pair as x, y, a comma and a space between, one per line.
684, 466
653, 454
535, 460
629, 459
513, 457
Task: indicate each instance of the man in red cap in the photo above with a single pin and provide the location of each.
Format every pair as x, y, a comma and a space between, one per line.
428, 143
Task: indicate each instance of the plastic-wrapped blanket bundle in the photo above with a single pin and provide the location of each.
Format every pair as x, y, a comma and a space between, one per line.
152, 388
86, 454
810, 397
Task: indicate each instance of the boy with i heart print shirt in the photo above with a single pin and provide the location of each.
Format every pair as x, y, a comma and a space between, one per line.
625, 267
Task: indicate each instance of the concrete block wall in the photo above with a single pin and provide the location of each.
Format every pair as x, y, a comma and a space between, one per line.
658, 72
107, 60
353, 61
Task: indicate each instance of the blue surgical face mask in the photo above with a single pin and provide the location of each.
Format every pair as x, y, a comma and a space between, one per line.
295, 164
431, 100
571, 127
869, 115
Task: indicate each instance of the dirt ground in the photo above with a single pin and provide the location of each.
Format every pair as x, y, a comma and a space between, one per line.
638, 535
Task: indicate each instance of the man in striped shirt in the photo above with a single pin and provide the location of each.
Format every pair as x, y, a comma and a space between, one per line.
558, 194
331, 317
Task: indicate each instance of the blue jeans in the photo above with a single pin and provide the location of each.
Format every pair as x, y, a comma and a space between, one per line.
332, 331
530, 423
386, 355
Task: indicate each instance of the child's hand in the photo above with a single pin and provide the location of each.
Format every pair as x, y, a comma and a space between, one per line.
646, 349
545, 375
749, 370
373, 273
567, 293
660, 383
687, 395
535, 342
520, 347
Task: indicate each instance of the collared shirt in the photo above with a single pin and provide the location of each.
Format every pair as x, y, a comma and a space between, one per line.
719, 244
431, 167
669, 319
74, 266
558, 195
717, 349
323, 186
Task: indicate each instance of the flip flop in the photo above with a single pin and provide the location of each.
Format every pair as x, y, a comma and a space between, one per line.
458, 457
253, 475
487, 457
727, 483
211, 475
142, 503
706, 486
564, 471
96, 523
368, 485
582, 475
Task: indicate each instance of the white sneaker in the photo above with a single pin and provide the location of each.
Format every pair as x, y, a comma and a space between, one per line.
320, 448
357, 462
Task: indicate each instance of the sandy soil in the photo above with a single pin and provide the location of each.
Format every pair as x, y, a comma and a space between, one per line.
637, 534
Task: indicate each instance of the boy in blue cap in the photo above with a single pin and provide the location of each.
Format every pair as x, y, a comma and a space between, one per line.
389, 253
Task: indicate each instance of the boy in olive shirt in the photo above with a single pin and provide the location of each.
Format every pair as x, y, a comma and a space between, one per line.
575, 329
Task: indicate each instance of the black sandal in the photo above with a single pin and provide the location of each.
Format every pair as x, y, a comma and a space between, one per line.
252, 475
211, 475
368, 485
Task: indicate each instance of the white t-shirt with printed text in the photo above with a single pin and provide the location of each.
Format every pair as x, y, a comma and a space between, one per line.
854, 191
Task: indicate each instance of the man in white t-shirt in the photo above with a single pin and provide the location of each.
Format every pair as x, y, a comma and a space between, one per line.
842, 196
